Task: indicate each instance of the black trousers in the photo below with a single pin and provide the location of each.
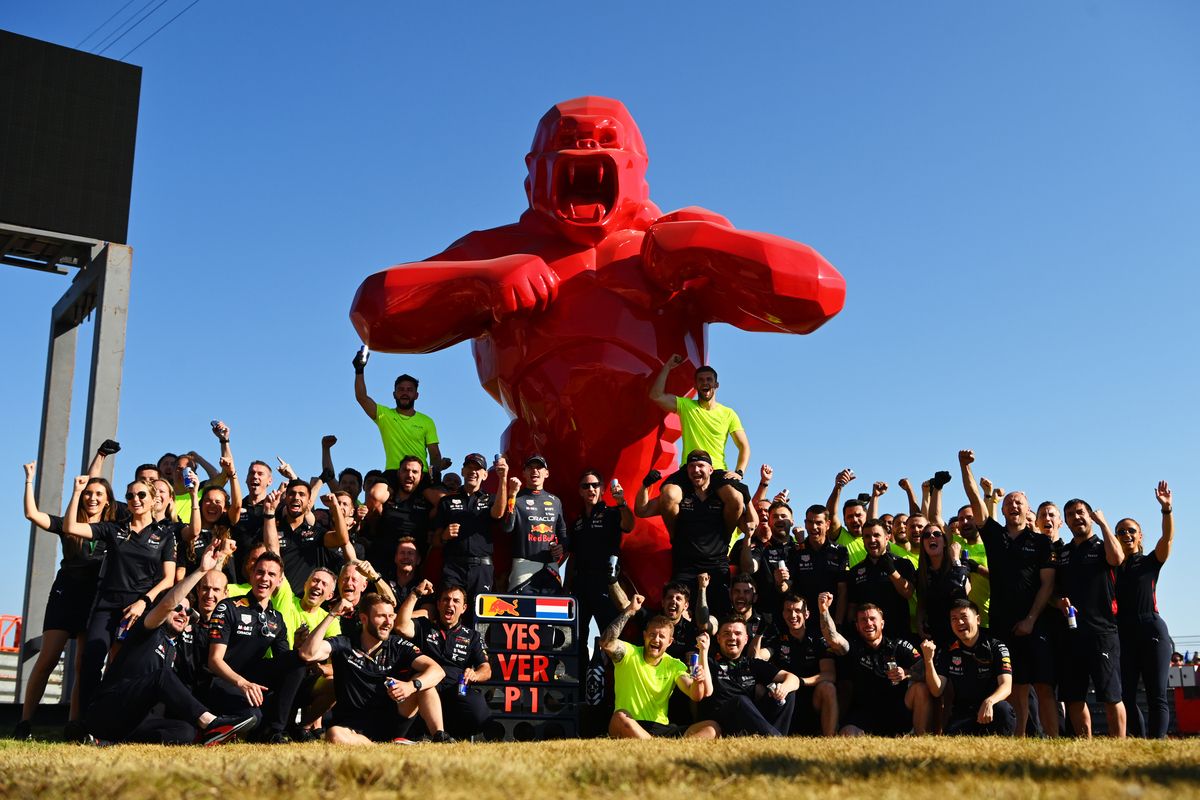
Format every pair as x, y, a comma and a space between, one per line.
122, 710
98, 640
594, 603
742, 716
1004, 723
283, 677
463, 715
1146, 653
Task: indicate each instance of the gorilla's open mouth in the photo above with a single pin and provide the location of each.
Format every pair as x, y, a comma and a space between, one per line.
585, 188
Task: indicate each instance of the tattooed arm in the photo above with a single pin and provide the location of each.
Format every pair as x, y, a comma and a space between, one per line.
610, 642
837, 643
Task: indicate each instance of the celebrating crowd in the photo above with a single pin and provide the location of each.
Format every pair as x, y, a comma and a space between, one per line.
341, 606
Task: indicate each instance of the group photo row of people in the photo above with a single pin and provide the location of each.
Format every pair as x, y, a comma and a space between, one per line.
208, 606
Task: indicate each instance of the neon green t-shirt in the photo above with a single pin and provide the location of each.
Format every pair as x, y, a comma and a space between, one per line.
288, 605
404, 436
858, 551
183, 507
642, 689
706, 429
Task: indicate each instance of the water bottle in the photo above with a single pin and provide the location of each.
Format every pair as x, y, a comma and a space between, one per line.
891, 665
1071, 622
462, 685
694, 665
593, 681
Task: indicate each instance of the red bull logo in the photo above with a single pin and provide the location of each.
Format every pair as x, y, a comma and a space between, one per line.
496, 606
541, 527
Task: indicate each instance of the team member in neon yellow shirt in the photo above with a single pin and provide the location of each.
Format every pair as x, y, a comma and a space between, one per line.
707, 424
644, 678
404, 430
306, 610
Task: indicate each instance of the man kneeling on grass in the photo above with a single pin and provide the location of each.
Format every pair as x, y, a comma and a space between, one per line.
381, 681
142, 676
645, 676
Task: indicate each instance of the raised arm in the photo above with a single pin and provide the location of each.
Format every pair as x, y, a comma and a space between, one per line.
180, 590
70, 526
270, 527
932, 679
37, 517
643, 506
935, 501
965, 459
316, 647
368, 405
339, 537
611, 642
878, 490
1162, 550
765, 473
500, 503
831, 505
700, 686
658, 390
1112, 548
837, 643
913, 506
405, 613
235, 490
107, 448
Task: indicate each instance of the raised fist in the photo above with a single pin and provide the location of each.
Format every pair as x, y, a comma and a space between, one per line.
844, 477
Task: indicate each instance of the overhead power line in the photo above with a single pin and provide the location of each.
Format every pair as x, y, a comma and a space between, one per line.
97, 29
159, 28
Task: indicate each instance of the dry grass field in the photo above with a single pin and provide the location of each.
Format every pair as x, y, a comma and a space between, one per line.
751, 768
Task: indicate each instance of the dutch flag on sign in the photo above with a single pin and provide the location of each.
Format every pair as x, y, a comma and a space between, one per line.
553, 608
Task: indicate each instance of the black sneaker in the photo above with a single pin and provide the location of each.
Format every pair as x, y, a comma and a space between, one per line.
441, 737
23, 732
277, 737
224, 729
75, 732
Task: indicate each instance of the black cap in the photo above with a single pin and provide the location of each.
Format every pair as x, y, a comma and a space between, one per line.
699, 455
476, 459
536, 459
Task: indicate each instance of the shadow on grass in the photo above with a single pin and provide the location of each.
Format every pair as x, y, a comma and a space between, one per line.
784, 766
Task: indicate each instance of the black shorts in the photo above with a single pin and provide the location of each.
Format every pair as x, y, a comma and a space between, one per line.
1032, 656
70, 602
880, 719
661, 731
805, 719
375, 725
1094, 657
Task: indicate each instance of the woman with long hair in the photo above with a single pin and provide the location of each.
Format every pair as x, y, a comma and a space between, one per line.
941, 580
214, 514
71, 595
139, 565
1146, 644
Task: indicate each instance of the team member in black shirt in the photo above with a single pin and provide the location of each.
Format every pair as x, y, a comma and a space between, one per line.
594, 545
464, 527
978, 668
883, 702
537, 524
458, 650
1021, 566
750, 696
139, 565
382, 681
695, 521
305, 546
767, 561
803, 653
1086, 583
883, 580
407, 512
242, 631
760, 627
821, 565
941, 580
142, 676
1146, 644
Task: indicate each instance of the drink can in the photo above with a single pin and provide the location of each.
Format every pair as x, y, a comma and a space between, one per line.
694, 665
390, 683
123, 630
612, 566
462, 685
1072, 623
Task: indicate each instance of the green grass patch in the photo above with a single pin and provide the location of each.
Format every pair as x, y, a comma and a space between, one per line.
753, 768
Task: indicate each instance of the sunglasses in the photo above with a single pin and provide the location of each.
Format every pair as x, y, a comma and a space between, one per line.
138, 495
1124, 531
180, 608
589, 486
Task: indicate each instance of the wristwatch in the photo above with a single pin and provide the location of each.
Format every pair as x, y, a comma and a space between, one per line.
417, 684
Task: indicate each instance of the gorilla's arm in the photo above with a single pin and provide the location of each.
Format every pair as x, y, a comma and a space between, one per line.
428, 305
754, 281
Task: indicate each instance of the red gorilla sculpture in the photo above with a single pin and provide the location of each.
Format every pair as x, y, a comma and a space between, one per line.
573, 309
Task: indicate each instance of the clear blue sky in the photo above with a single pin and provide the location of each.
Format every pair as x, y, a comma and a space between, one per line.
1011, 192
